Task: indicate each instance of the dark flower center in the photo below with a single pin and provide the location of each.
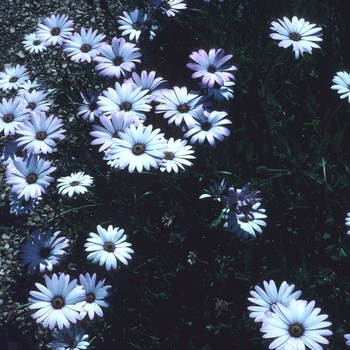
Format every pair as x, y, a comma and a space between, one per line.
211, 69
137, 26
183, 108
109, 247
74, 183
118, 61
296, 330
41, 135
13, 79
92, 106
166, 5
85, 48
21, 152
57, 302
36, 42
295, 36
125, 106
45, 252
73, 344
31, 105
138, 149
90, 298
206, 126
31, 178
55, 31
169, 155
8, 118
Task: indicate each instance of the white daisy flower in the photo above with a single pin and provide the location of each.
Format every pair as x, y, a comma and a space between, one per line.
13, 77
75, 183
108, 246
73, 338
342, 84
298, 33
33, 43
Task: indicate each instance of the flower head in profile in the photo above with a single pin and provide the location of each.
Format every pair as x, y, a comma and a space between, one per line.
342, 84
10, 151
137, 148
13, 77
55, 29
215, 191
73, 338
347, 338
106, 134
241, 200
211, 67
117, 59
29, 177
208, 126
40, 132
270, 295
134, 22
33, 43
176, 156
88, 110
179, 106
43, 252
169, 7
108, 246
220, 93
84, 46
347, 222
298, 33
95, 295
75, 183
125, 97
57, 302
296, 326
12, 114
19, 206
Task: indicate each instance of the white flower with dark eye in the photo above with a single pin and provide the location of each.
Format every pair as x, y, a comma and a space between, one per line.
73, 338
108, 246
342, 84
57, 302
270, 295
33, 43
95, 296
298, 33
13, 77
75, 183
176, 156
296, 326
43, 251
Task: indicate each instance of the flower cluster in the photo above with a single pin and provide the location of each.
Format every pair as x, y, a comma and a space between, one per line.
293, 323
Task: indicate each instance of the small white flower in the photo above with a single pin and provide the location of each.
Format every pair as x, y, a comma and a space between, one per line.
347, 222
342, 84
75, 183
33, 43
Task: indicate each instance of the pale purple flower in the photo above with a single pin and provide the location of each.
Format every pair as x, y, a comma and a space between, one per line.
89, 108
208, 126
117, 59
298, 33
347, 222
270, 295
13, 77
125, 97
219, 93
12, 113
84, 46
241, 200
133, 23
55, 29
176, 156
347, 338
179, 106
43, 252
211, 67
65, 338
29, 177
40, 132
296, 326
108, 246
156, 86
10, 151
19, 206
36, 101
33, 43
57, 302
137, 148
95, 295
106, 134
